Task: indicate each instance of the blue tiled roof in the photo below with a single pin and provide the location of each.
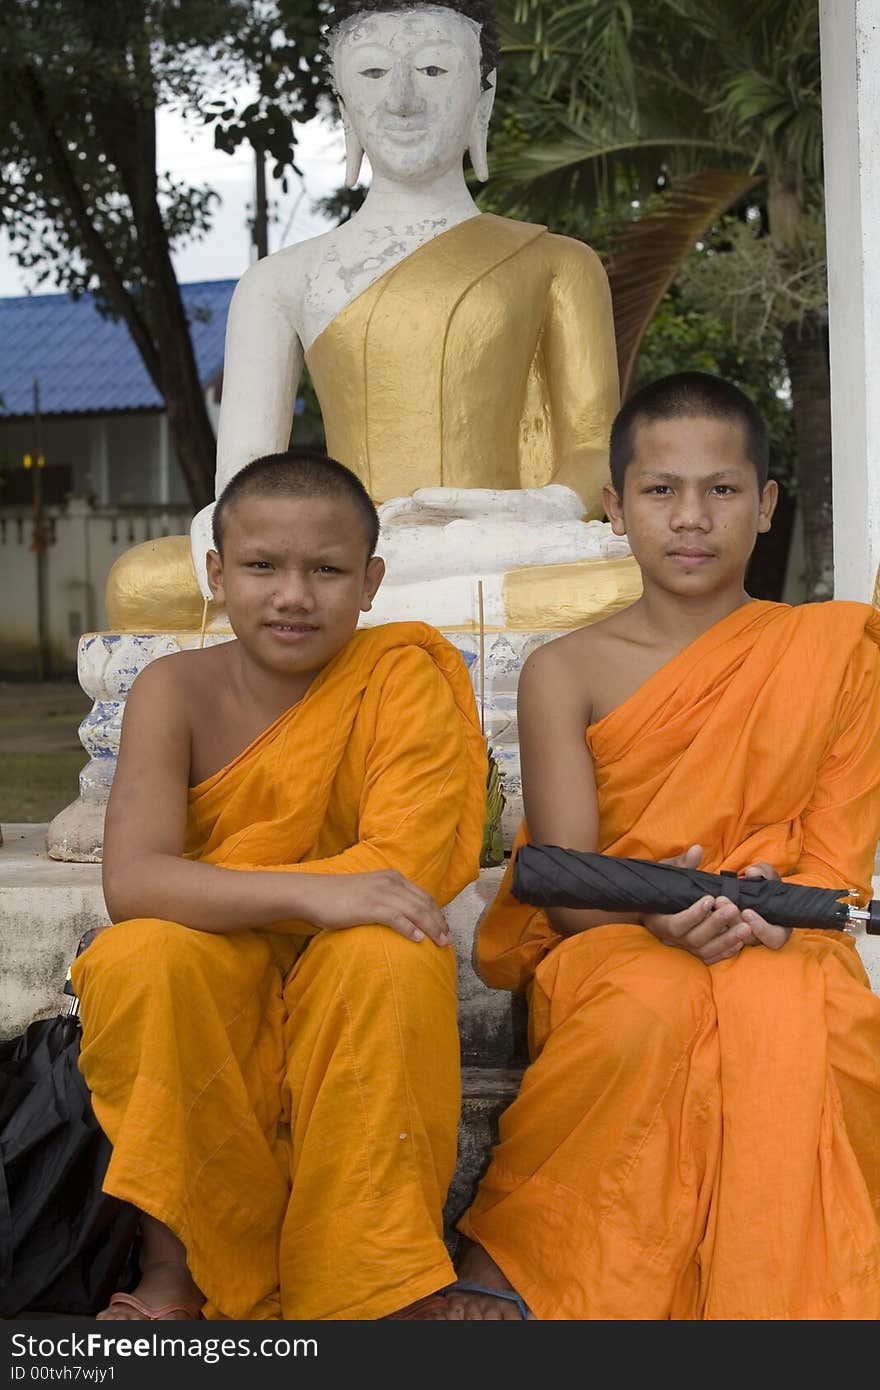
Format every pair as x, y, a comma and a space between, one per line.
85, 362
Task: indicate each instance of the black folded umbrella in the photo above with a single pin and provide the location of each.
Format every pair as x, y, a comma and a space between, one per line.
65, 1246
548, 876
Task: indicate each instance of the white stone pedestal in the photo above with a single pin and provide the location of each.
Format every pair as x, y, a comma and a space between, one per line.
107, 664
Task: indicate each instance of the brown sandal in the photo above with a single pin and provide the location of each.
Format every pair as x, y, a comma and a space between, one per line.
129, 1300
422, 1308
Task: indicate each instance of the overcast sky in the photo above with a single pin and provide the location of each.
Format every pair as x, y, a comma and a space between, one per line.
226, 252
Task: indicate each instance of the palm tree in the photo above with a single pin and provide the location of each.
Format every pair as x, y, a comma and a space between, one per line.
714, 100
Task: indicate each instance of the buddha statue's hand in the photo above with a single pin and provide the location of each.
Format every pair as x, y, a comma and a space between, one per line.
202, 540
483, 531
535, 505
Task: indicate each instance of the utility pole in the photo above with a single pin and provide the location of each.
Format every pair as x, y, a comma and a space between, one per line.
260, 227
35, 463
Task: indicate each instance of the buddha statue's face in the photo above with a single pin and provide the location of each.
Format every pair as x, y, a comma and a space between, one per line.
409, 85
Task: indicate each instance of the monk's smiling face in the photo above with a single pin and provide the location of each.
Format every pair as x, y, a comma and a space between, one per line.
294, 578
691, 507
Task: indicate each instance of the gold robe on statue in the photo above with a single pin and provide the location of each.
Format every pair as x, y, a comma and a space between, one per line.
691, 1141
486, 358
286, 1100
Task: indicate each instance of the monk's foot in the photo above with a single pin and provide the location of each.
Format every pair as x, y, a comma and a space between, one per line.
166, 1293
476, 1266
467, 1304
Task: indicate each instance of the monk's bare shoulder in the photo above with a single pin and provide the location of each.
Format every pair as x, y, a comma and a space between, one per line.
175, 687
588, 671
561, 673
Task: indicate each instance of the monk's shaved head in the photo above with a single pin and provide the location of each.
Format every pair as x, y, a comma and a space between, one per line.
298, 473
688, 395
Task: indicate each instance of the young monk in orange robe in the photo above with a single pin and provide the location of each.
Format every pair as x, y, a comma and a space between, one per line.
270, 1028
697, 1134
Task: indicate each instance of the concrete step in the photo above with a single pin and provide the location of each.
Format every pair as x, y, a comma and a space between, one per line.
45, 907
486, 1092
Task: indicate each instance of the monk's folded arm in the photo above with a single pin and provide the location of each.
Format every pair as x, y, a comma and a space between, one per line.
211, 898
559, 783
570, 921
410, 809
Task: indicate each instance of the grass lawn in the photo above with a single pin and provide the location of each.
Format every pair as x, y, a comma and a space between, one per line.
40, 751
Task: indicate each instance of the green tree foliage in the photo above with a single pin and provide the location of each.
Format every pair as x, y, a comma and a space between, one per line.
602, 102
81, 199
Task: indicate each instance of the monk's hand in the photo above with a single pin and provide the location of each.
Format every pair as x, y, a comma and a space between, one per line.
762, 932
700, 929
690, 858
760, 870
707, 931
385, 897
710, 929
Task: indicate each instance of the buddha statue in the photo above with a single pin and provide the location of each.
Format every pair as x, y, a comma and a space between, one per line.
466, 369
465, 363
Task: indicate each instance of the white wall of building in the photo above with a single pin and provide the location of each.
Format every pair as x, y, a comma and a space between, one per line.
77, 562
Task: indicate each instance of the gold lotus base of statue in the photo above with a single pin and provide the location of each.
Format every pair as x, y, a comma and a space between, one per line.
561, 597
153, 588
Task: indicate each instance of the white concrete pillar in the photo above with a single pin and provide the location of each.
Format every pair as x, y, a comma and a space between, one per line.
850, 47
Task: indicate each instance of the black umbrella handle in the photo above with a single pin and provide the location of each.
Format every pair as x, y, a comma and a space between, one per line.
549, 876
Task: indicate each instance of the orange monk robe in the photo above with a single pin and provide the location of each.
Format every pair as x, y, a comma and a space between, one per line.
287, 1101
692, 1141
